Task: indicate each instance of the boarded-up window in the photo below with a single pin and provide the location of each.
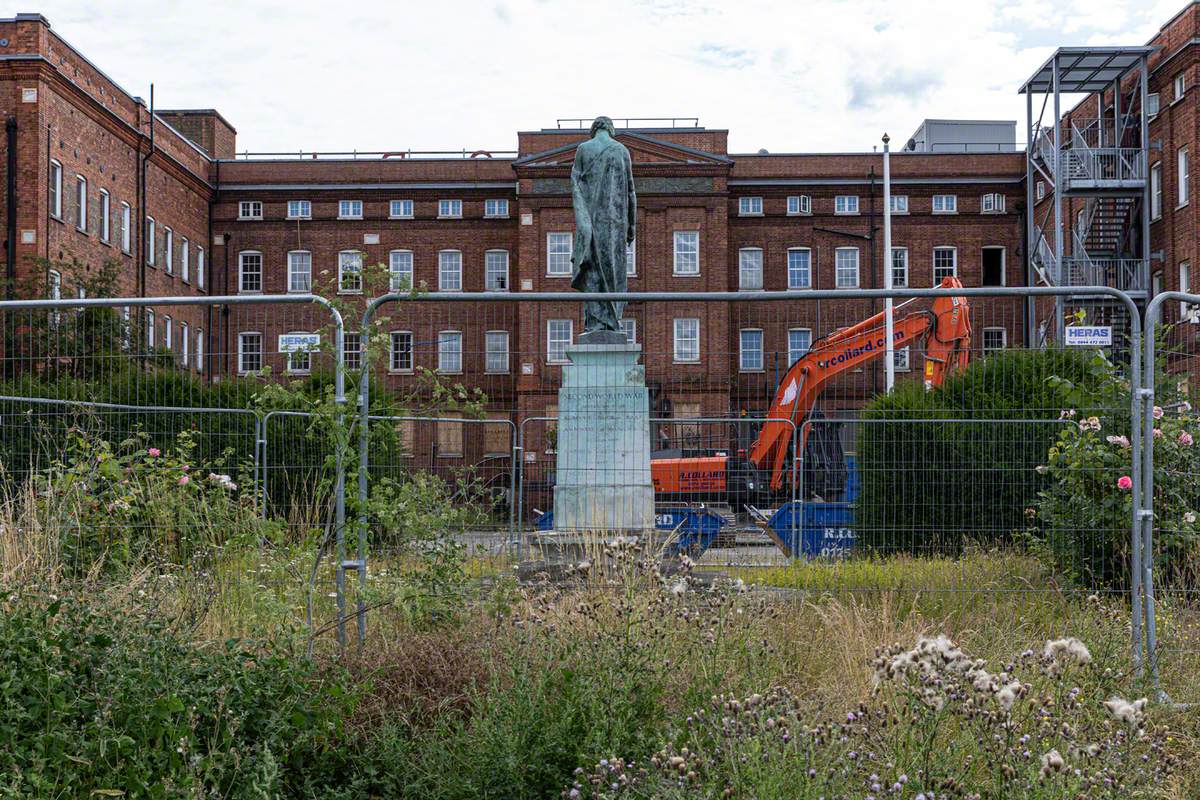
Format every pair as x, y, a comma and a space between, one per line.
688, 434
497, 437
406, 432
450, 437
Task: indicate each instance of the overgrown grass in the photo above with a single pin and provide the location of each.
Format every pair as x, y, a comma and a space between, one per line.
504, 691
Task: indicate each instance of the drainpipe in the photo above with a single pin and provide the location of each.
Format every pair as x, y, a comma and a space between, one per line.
10, 131
143, 163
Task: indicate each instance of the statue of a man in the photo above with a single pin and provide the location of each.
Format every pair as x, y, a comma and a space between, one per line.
605, 223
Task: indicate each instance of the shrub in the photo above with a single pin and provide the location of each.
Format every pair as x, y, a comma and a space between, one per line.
112, 704
929, 485
115, 505
1084, 512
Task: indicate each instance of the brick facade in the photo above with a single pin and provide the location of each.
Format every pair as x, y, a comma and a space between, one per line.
687, 182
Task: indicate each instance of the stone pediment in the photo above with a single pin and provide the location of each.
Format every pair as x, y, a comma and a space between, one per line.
643, 149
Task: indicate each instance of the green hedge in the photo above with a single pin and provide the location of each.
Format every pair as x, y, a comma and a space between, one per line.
956, 464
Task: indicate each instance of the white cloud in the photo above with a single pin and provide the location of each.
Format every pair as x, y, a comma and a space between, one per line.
827, 75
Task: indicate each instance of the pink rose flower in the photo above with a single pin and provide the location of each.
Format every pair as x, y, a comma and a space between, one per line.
183, 479
154, 452
1186, 439
1158, 433
186, 468
1158, 412
1125, 482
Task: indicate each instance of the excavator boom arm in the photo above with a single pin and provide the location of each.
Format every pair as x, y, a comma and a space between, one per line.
949, 336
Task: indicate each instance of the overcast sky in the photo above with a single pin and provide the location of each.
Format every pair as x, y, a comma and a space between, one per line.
787, 75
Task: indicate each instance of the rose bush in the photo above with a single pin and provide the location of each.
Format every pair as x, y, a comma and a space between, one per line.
115, 504
1085, 512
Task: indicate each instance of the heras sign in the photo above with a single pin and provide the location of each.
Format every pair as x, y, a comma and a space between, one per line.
298, 342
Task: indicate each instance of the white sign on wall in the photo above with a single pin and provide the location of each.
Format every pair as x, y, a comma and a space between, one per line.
298, 342
1089, 335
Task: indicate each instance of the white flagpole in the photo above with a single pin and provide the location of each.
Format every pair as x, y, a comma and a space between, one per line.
890, 363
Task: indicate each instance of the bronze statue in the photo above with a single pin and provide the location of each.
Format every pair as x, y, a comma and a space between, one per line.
605, 223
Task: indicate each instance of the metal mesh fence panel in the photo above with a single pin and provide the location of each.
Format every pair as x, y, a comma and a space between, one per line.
1172, 493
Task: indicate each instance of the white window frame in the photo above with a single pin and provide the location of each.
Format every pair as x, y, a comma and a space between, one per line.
243, 352
394, 353
492, 356
991, 203
558, 259
902, 270
934, 265
151, 237
681, 337
1153, 105
396, 209
185, 259
841, 270
243, 256
185, 345
1183, 167
1187, 311
450, 281
845, 204
350, 209
750, 206
400, 268
250, 209
55, 180
81, 203
750, 269
495, 208
899, 204
902, 358
168, 251
492, 261
983, 337
299, 209
1040, 192
629, 328
200, 267
352, 350
350, 262
295, 259
199, 350
150, 328
631, 259
799, 205
556, 346
449, 208
793, 355
746, 354
1156, 188
794, 273
1178, 87
126, 227
105, 219
685, 330
168, 332
945, 204
447, 354
681, 265
294, 366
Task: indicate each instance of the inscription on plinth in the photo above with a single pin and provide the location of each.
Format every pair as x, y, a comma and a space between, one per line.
602, 478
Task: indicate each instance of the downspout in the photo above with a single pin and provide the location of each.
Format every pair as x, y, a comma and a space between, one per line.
225, 309
10, 131
143, 163
207, 289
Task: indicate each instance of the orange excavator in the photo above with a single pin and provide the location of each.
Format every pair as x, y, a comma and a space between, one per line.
946, 328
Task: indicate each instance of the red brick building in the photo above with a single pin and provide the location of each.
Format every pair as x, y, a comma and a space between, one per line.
96, 178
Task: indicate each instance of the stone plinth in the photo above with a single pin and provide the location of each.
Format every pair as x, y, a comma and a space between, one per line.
602, 480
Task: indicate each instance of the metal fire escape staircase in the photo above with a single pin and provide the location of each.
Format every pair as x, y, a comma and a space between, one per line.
1087, 180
